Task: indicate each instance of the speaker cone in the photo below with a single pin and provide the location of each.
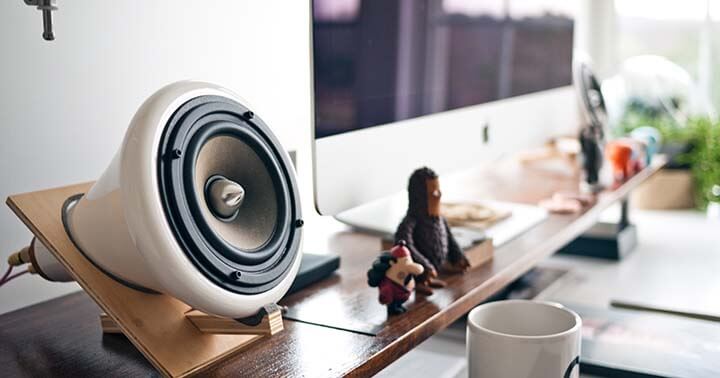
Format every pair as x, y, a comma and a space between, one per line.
239, 194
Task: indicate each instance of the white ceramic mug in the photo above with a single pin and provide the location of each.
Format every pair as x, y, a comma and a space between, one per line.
523, 339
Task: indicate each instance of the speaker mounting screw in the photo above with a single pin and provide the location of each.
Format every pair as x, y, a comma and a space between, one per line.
299, 223
249, 115
175, 154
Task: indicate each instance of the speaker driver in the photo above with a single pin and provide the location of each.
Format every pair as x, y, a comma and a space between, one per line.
229, 194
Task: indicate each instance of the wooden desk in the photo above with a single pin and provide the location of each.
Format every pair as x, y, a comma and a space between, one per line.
62, 337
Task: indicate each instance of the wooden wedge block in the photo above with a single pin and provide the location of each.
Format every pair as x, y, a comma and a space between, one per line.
270, 324
108, 325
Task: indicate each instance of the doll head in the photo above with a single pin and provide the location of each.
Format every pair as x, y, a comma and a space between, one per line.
402, 267
424, 193
397, 265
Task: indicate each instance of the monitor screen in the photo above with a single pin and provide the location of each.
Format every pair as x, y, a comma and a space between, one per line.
381, 61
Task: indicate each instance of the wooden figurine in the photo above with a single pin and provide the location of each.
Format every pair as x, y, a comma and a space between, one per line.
427, 233
393, 274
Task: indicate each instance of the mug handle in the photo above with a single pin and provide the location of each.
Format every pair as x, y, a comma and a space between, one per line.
568, 371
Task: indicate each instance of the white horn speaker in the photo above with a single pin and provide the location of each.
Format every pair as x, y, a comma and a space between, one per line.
200, 203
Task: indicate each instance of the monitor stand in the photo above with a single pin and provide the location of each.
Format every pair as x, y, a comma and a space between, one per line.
381, 217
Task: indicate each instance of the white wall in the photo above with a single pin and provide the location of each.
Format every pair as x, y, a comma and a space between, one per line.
65, 105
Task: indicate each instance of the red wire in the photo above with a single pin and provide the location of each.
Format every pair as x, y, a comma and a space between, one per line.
7, 273
16, 275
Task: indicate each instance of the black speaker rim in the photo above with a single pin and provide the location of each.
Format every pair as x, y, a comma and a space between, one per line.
201, 245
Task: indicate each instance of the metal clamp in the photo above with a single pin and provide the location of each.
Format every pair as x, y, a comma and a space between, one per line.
47, 7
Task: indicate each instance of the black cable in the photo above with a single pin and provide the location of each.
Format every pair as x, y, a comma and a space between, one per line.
5, 276
10, 278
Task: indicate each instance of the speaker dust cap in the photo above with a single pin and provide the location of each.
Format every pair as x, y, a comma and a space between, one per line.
229, 194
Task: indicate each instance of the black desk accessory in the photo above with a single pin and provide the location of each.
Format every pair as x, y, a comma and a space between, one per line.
611, 241
314, 268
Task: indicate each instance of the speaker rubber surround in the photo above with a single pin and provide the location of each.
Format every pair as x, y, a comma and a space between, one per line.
239, 270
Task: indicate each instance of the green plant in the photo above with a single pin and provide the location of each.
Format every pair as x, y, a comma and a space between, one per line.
638, 114
704, 158
702, 134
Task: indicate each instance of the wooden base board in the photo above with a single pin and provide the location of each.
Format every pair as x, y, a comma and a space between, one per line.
480, 253
156, 324
269, 326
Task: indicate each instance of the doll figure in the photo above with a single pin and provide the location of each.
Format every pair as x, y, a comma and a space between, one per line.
620, 155
652, 139
392, 273
639, 155
427, 233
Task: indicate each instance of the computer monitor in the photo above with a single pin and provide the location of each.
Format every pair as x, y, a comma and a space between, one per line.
450, 84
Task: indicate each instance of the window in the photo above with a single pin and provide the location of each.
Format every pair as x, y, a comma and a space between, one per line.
681, 31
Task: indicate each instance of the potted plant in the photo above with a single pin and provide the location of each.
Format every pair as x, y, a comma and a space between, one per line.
653, 91
693, 149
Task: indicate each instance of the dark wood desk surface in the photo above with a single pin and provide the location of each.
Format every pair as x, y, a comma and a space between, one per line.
62, 337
